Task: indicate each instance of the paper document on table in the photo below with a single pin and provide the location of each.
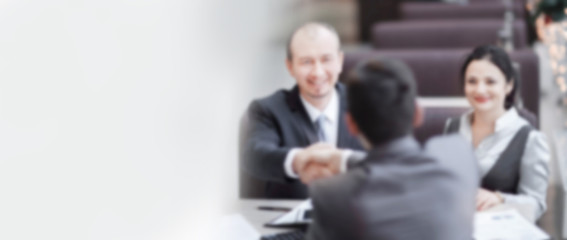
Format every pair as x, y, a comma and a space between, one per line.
296, 215
505, 225
233, 227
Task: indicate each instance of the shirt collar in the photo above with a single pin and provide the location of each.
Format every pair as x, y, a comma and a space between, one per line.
398, 147
506, 120
331, 112
503, 122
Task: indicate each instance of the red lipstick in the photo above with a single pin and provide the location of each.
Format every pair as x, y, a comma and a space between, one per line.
480, 99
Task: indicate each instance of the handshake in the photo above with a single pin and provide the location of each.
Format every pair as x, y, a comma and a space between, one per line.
320, 160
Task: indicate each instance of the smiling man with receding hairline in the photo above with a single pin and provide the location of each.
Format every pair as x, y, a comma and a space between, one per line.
315, 61
296, 136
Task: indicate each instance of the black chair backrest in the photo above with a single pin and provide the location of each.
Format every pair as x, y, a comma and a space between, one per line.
436, 115
249, 186
444, 34
490, 10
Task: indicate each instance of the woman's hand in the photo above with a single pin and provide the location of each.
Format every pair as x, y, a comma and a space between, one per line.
487, 199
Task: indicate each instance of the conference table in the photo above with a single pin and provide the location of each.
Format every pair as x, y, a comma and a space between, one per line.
249, 209
257, 218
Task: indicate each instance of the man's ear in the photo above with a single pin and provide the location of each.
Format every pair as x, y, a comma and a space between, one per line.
341, 59
418, 115
351, 125
289, 66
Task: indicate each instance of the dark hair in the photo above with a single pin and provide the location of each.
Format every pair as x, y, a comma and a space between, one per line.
500, 59
381, 99
320, 24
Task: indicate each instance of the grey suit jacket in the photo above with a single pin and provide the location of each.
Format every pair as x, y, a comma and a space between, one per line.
277, 124
400, 191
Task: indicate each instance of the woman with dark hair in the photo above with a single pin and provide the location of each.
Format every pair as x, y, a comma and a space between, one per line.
513, 156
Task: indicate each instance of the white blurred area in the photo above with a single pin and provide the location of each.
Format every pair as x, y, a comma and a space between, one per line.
118, 119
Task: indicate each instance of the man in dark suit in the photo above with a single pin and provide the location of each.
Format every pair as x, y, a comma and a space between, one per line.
287, 130
399, 191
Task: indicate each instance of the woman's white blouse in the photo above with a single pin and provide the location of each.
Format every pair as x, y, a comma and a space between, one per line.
534, 168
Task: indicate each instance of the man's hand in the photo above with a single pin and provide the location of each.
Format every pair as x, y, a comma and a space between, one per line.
486, 199
314, 171
319, 160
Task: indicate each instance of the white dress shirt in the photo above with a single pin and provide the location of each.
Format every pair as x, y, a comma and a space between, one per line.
534, 168
330, 117
330, 127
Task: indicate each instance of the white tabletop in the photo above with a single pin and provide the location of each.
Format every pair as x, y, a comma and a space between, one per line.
257, 218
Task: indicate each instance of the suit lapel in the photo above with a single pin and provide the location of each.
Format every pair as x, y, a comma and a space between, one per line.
300, 117
343, 136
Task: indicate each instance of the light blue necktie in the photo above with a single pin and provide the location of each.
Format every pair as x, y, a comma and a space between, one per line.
319, 128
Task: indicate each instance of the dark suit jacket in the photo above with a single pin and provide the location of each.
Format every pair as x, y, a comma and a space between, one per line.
400, 192
275, 125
